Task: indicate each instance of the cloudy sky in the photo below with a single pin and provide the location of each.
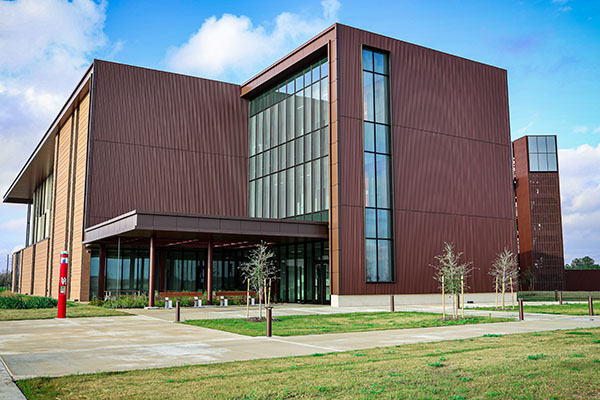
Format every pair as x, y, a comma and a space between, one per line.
551, 49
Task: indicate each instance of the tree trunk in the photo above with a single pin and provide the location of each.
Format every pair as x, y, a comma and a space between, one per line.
453, 306
260, 302
503, 292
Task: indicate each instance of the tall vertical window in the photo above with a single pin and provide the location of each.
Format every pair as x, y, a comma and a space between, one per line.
40, 211
289, 148
377, 163
542, 153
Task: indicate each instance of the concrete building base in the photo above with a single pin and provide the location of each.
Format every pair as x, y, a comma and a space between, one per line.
414, 299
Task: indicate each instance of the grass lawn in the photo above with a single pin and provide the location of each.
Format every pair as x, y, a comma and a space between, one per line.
567, 309
74, 310
336, 323
549, 296
559, 364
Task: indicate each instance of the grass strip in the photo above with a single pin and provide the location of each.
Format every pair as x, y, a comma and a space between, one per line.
74, 310
524, 366
294, 325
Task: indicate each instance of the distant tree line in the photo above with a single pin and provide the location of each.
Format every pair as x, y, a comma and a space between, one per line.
586, 262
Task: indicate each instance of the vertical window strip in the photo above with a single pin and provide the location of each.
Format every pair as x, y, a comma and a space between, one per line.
377, 168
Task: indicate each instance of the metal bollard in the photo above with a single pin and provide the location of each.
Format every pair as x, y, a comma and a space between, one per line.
269, 321
226, 302
221, 304
391, 303
521, 316
199, 303
196, 302
178, 311
560, 298
591, 304
166, 302
252, 301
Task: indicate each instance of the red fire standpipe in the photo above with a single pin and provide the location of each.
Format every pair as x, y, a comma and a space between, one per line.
62, 286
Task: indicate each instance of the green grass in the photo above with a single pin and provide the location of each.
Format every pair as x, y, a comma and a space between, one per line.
521, 366
566, 309
74, 310
549, 296
336, 323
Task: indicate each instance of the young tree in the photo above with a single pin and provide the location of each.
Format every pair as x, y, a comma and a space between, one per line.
451, 273
504, 270
259, 271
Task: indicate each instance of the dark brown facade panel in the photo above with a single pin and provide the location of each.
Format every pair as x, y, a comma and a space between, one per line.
160, 109
539, 223
166, 180
582, 280
523, 205
419, 238
350, 147
451, 163
446, 174
186, 139
430, 90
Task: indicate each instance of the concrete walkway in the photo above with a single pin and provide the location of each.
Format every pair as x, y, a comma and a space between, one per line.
85, 345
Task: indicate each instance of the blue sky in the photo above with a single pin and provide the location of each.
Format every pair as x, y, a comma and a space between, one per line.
551, 50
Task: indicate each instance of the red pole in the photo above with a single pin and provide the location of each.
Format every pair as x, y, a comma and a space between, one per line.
62, 286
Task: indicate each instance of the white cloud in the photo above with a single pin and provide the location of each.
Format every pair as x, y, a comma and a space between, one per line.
597, 129
525, 128
45, 48
14, 225
580, 129
330, 8
580, 195
231, 47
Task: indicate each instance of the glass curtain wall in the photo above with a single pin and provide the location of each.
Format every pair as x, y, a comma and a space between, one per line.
542, 154
377, 166
128, 271
289, 147
184, 270
304, 271
40, 211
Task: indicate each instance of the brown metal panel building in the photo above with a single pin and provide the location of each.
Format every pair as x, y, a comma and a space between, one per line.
539, 221
165, 144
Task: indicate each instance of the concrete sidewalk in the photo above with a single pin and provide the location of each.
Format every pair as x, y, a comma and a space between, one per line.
85, 345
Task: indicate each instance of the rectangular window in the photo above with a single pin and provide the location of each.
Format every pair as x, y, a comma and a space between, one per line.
542, 154
379, 260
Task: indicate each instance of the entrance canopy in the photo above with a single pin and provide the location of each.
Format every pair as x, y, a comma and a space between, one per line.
171, 227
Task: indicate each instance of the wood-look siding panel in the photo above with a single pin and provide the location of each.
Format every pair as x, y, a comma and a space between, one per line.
79, 269
41, 256
451, 162
26, 270
60, 233
167, 142
15, 266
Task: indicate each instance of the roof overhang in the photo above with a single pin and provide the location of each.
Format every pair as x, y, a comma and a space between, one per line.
182, 227
41, 162
302, 56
